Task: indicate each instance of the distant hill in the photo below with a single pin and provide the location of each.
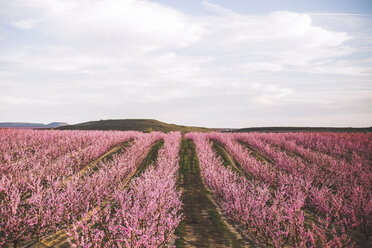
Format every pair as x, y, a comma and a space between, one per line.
306, 129
133, 124
56, 124
155, 125
32, 125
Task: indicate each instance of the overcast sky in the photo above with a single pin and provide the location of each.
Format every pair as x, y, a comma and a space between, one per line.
206, 63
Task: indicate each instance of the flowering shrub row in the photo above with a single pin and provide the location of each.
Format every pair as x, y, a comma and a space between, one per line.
144, 215
282, 193
31, 205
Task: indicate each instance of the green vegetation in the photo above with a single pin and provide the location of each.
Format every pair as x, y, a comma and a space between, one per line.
146, 125
258, 155
149, 125
151, 157
122, 149
227, 161
202, 225
109, 157
149, 130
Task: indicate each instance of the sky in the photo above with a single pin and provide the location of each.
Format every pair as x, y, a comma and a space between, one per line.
208, 63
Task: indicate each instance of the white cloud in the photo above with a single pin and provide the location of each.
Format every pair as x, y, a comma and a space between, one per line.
22, 101
218, 9
262, 66
268, 94
11, 100
123, 26
123, 52
24, 24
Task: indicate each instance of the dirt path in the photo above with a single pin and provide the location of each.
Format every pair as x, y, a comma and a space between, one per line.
227, 160
257, 154
203, 225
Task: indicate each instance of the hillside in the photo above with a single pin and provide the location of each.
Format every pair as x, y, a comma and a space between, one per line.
133, 124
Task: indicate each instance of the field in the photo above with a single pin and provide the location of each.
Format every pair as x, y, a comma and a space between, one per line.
62, 188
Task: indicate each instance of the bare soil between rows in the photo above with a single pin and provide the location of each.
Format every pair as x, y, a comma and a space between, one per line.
202, 226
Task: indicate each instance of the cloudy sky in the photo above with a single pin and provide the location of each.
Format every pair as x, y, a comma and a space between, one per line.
236, 63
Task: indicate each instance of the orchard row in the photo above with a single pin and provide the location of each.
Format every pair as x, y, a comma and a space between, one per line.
119, 189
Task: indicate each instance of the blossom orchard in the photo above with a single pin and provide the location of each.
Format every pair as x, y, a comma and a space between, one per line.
144, 215
287, 190
34, 202
277, 196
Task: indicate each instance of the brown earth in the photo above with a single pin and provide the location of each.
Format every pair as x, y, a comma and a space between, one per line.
203, 225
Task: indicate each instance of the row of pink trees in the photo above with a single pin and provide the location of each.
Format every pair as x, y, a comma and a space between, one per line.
272, 208
356, 169
51, 155
30, 207
344, 145
338, 188
143, 215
